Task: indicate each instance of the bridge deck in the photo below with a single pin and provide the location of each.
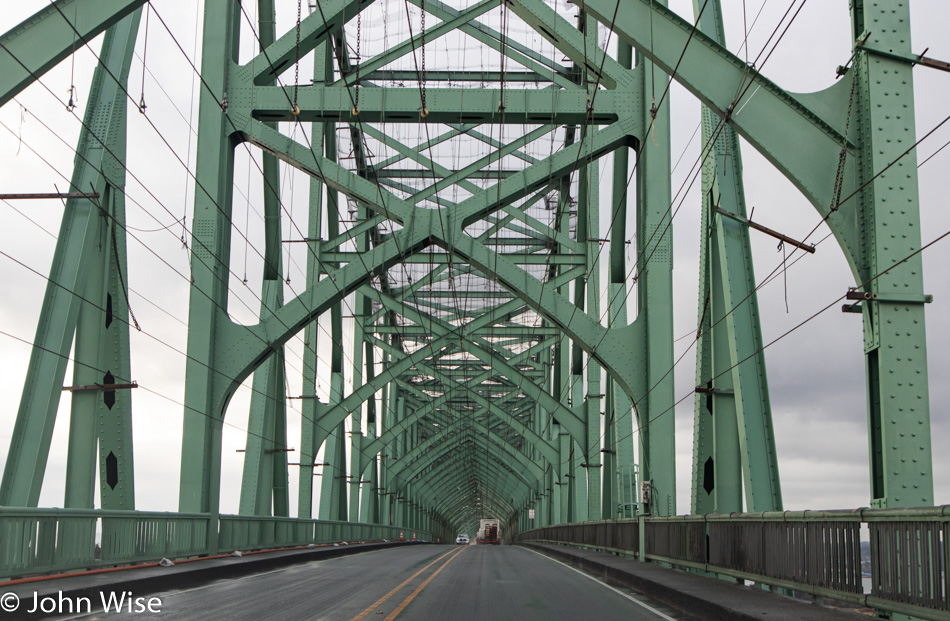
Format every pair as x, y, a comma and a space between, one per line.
414, 582
411, 582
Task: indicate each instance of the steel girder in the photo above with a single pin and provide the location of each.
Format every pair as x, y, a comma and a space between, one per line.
360, 394
804, 136
36, 45
264, 488
733, 441
420, 458
85, 296
447, 477
543, 446
449, 427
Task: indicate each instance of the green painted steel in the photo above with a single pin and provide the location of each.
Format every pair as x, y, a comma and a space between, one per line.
37, 44
814, 552
895, 341
38, 541
733, 441
481, 367
87, 243
655, 420
264, 488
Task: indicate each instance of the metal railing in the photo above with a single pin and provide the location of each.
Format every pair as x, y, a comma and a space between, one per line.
39, 541
241, 532
816, 552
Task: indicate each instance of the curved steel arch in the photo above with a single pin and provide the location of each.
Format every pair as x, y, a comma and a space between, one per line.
379, 444
808, 137
339, 411
411, 459
225, 354
581, 328
447, 477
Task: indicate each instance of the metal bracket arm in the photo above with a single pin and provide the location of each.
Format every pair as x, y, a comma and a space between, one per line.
810, 248
896, 298
913, 59
100, 387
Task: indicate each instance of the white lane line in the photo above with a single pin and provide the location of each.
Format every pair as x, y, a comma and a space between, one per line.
605, 585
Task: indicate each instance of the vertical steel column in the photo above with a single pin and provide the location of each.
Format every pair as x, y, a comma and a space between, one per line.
620, 412
588, 213
361, 310
264, 484
717, 461
333, 485
116, 464
87, 244
332, 488
655, 290
388, 456
369, 501
576, 394
895, 342
544, 426
733, 438
310, 408
578, 450
211, 251
102, 352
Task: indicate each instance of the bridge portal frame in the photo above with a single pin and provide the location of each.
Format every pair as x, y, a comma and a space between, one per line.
850, 165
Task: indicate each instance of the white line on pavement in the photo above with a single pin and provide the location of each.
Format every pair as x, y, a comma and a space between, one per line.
605, 585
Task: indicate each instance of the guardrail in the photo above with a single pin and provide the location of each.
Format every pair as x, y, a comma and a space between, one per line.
38, 541
241, 532
816, 552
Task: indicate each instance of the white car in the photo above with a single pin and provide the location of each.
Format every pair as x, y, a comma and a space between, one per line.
463, 539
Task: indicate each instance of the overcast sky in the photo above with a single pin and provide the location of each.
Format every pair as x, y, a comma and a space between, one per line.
816, 377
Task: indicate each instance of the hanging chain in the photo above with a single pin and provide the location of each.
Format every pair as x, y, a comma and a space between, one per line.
359, 59
425, 110
503, 30
296, 109
653, 108
843, 156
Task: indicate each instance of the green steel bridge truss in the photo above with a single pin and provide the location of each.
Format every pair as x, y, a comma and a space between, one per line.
480, 331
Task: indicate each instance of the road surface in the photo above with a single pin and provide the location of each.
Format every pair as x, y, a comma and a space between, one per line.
425, 582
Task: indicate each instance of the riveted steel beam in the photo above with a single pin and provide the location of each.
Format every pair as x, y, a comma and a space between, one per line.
80, 250
40, 42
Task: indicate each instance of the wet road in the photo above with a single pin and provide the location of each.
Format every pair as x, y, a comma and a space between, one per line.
422, 582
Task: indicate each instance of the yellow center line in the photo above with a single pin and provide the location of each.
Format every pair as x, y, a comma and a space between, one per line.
418, 590
396, 590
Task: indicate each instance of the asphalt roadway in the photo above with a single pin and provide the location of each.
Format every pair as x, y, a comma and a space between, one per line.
477, 582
